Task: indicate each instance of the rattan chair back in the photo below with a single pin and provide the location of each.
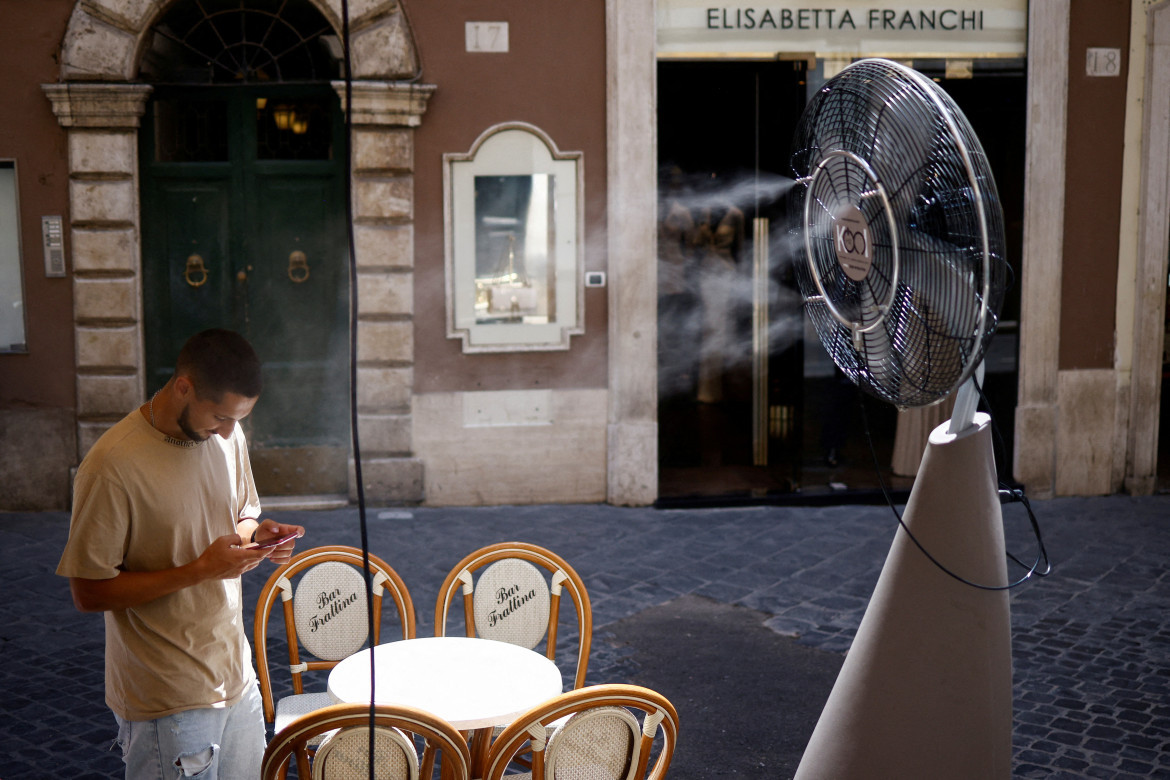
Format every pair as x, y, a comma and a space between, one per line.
343, 753
602, 743
608, 732
512, 592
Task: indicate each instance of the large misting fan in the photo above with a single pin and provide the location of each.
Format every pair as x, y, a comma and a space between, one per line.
903, 275
902, 230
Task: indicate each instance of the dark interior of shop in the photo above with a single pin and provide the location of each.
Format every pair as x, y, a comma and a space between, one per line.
725, 132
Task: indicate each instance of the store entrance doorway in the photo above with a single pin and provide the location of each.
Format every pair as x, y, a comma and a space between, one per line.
729, 317
751, 408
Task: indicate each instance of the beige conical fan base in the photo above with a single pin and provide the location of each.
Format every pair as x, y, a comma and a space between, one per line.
926, 689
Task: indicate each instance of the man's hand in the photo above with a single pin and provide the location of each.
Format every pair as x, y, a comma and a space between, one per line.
270, 529
226, 558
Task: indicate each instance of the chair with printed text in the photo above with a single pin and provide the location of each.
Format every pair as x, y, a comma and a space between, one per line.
343, 734
325, 616
512, 592
605, 732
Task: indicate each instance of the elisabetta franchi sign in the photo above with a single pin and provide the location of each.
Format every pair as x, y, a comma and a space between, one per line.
742, 28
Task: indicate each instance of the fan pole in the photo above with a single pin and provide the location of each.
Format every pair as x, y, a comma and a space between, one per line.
926, 689
966, 401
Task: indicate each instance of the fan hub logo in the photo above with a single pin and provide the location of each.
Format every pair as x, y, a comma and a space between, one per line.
851, 238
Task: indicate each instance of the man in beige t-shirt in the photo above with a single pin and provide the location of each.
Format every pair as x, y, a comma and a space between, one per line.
165, 518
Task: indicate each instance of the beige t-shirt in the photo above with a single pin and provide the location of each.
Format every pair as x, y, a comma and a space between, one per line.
144, 502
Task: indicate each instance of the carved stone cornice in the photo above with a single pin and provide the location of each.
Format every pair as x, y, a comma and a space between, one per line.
98, 105
386, 103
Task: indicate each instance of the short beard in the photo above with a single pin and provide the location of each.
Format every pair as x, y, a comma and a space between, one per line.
185, 425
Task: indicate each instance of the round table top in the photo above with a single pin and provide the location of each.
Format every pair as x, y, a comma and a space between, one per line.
470, 683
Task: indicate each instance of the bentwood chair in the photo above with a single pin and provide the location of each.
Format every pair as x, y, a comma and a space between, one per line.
325, 615
512, 593
343, 753
606, 732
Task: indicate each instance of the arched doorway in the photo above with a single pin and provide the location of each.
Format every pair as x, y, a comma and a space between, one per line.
101, 101
242, 187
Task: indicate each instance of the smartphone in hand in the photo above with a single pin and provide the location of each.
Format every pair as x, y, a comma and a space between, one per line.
273, 542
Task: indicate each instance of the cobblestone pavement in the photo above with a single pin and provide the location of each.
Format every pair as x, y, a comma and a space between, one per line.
1091, 643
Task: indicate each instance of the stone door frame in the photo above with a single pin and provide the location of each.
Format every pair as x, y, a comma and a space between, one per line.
100, 104
1153, 246
1047, 441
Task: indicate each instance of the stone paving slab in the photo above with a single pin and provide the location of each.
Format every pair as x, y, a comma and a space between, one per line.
1091, 643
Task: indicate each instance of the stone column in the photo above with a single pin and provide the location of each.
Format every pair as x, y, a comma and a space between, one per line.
102, 121
1149, 282
632, 442
1038, 407
383, 118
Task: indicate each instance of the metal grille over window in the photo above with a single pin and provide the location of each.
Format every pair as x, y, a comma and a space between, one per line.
241, 42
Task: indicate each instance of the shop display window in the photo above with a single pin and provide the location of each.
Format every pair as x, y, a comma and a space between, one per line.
513, 211
12, 338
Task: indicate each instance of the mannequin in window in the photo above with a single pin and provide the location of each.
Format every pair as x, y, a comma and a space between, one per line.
678, 312
719, 233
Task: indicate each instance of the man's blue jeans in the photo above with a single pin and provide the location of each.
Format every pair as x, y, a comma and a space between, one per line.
208, 743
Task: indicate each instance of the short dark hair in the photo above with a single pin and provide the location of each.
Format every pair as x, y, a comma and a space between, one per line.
220, 361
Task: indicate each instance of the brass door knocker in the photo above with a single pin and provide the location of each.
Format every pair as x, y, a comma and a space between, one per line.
196, 273
298, 267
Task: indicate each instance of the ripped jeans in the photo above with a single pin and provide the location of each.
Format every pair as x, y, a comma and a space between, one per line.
212, 744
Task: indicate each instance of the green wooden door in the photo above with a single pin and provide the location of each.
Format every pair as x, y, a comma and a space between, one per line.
243, 219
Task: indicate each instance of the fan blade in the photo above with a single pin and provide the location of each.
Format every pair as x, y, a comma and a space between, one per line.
874, 346
941, 307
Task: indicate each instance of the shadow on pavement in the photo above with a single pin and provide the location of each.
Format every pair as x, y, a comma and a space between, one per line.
747, 697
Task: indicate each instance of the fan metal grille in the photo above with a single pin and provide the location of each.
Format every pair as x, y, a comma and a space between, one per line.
902, 231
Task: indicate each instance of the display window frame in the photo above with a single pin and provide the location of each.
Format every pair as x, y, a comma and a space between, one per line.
547, 306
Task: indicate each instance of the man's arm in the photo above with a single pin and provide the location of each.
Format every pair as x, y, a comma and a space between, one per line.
223, 559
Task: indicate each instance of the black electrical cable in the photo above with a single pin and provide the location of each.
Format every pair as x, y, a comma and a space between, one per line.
1014, 495
1006, 494
353, 397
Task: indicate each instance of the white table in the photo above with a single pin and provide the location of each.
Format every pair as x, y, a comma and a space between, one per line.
470, 683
